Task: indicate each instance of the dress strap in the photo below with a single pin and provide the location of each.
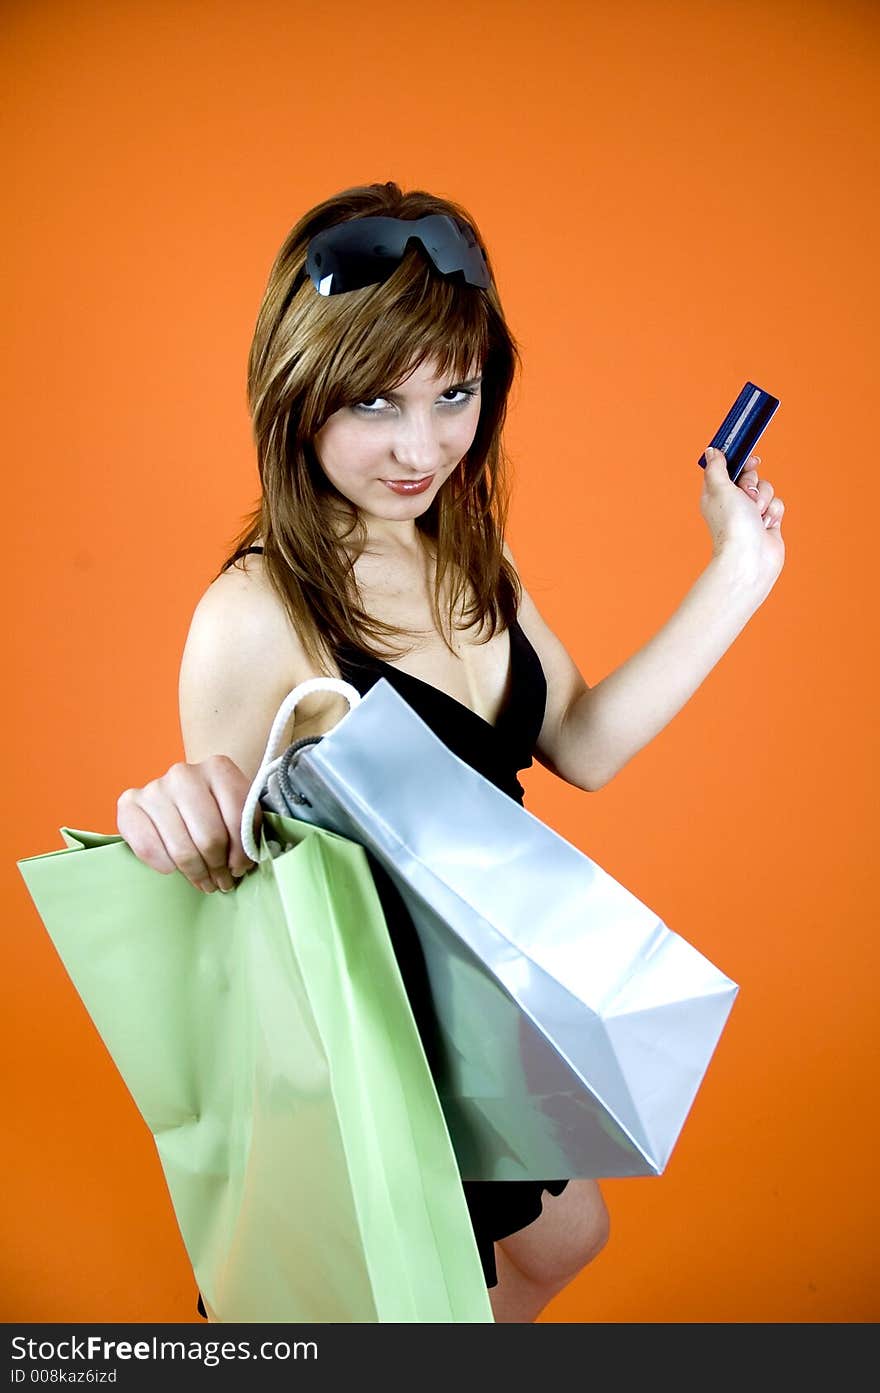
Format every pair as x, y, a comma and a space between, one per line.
244, 551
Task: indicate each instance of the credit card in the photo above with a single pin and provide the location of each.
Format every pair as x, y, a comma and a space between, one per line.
742, 428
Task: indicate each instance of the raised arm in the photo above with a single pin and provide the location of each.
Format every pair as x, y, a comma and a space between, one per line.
590, 733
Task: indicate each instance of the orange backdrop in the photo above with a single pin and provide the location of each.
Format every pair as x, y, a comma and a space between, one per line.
678, 198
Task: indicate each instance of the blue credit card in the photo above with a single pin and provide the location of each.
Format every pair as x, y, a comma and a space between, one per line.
742, 428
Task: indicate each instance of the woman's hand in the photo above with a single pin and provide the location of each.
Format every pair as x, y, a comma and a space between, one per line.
745, 516
189, 820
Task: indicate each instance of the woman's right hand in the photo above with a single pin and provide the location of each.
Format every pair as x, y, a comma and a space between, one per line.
189, 820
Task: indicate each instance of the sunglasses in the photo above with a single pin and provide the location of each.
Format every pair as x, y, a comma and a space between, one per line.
365, 251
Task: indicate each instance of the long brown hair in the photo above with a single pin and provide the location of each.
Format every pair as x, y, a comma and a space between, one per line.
312, 354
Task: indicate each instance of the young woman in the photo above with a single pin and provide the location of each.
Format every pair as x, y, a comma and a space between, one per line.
378, 381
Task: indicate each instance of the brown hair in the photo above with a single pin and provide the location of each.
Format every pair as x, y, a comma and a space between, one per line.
312, 354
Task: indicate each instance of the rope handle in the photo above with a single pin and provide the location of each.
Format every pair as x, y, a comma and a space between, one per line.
270, 762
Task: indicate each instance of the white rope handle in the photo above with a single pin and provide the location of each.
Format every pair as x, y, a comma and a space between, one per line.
269, 761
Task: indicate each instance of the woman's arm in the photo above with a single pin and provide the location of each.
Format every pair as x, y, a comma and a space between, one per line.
590, 733
239, 662
607, 725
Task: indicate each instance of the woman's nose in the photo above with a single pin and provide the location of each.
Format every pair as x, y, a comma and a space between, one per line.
417, 445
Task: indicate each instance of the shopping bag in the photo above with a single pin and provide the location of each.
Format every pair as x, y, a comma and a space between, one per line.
572, 1028
268, 1043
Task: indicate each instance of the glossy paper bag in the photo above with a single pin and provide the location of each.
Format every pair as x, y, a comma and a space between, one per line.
572, 1028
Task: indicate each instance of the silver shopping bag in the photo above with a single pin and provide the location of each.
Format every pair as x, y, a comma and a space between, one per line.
574, 1027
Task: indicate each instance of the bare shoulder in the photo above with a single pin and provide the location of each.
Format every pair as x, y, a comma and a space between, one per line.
241, 605
241, 658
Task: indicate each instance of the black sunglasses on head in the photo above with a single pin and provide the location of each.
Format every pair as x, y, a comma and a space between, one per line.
365, 251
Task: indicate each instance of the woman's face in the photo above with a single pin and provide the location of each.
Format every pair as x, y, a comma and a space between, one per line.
421, 427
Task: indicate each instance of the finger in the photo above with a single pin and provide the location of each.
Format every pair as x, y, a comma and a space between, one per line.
137, 829
190, 826
230, 789
761, 490
773, 515
748, 478
205, 806
765, 495
715, 475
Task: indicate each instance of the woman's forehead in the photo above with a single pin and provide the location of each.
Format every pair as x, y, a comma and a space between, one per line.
428, 373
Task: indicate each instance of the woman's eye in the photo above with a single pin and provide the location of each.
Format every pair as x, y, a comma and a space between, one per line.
463, 395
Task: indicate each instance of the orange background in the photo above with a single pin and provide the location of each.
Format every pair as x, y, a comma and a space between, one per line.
678, 197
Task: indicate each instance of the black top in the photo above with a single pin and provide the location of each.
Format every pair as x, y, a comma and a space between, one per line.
499, 751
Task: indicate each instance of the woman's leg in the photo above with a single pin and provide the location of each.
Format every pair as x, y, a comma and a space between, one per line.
536, 1262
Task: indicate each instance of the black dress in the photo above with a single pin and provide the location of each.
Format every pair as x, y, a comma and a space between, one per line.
497, 1207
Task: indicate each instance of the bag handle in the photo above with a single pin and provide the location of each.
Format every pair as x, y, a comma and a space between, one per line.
269, 762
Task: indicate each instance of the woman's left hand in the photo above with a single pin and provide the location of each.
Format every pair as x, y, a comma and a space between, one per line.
745, 517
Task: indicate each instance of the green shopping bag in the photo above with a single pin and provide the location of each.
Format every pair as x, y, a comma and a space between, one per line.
268, 1042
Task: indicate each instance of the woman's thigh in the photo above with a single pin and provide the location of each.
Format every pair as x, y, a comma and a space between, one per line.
570, 1231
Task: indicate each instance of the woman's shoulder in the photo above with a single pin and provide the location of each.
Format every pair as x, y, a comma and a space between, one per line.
241, 610
244, 653
241, 659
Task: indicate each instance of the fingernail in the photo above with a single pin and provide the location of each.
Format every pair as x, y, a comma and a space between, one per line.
207, 885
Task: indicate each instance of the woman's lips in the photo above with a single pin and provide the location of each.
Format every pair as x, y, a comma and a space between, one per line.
405, 486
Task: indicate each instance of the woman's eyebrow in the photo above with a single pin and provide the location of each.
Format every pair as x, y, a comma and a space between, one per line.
471, 382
